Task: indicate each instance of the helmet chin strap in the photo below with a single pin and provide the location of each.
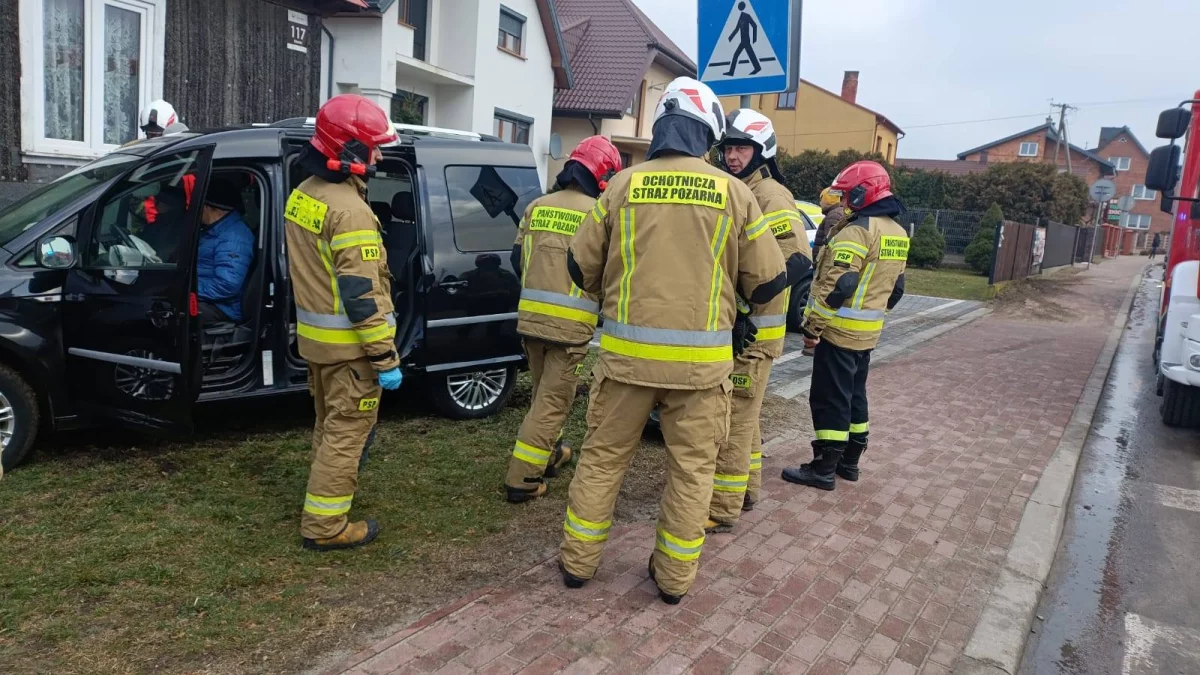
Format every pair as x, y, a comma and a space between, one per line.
350, 162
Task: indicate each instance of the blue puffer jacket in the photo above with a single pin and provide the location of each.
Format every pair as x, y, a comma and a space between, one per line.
222, 263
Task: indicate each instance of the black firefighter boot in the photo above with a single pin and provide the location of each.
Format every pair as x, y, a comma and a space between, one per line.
561, 455
847, 466
819, 473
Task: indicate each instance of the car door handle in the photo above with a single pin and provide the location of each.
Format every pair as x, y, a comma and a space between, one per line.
462, 283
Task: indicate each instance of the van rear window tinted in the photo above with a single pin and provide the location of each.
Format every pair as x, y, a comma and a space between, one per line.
487, 202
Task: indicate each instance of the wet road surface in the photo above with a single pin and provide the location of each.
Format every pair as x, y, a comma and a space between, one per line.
1124, 594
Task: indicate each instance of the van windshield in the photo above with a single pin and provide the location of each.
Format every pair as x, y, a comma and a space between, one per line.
52, 198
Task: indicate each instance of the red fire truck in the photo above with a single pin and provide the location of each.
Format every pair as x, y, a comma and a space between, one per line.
1177, 348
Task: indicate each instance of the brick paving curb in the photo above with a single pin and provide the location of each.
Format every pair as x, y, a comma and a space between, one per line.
998, 641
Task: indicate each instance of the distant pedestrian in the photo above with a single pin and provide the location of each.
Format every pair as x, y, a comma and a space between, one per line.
1155, 244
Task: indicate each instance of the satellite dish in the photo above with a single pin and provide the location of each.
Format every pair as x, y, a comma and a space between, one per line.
556, 146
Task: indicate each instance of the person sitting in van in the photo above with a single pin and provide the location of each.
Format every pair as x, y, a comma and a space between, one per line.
225, 253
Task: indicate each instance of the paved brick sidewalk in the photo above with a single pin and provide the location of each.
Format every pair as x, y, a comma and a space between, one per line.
885, 575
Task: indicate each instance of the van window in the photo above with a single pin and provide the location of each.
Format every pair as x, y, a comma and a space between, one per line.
487, 202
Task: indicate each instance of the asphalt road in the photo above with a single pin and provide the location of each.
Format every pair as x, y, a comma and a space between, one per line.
1124, 594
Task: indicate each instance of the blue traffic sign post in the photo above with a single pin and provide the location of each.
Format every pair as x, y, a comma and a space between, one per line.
749, 46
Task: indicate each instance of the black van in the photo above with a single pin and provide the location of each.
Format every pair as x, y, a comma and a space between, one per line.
98, 305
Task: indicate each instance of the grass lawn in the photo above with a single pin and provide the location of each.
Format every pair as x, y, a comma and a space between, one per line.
128, 555
947, 283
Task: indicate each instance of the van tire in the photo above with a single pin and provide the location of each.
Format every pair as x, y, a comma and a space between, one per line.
442, 390
796, 304
25, 413
1180, 405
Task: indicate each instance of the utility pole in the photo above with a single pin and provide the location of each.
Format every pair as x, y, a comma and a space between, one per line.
1062, 132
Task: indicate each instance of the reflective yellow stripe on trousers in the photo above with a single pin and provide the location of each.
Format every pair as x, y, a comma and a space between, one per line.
730, 482
664, 344
530, 454
756, 460
585, 530
860, 428
327, 506
679, 549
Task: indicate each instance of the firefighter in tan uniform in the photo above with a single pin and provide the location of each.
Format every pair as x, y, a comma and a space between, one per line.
748, 151
555, 318
344, 313
668, 246
835, 215
860, 276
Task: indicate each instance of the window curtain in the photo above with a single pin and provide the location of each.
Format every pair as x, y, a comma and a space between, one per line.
64, 65
122, 67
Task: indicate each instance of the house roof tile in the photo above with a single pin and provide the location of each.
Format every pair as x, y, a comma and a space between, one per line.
610, 44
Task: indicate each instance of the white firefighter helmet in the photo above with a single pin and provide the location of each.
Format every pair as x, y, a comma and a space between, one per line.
746, 125
693, 98
156, 117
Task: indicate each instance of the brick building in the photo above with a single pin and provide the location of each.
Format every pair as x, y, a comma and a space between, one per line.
1130, 159
1038, 145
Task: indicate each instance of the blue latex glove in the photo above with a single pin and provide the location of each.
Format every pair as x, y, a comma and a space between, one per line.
390, 379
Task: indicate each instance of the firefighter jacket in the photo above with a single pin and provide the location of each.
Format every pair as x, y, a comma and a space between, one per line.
553, 308
339, 274
667, 246
859, 277
787, 225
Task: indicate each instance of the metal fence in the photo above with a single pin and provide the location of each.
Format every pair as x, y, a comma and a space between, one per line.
1061, 241
957, 227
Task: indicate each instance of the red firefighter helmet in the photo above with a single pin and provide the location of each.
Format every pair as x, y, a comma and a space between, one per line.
863, 183
349, 127
598, 155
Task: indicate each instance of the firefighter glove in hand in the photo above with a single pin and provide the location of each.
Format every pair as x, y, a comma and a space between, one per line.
744, 332
390, 379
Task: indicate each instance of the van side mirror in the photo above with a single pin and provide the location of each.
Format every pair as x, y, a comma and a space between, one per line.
1163, 172
56, 252
1173, 123
1167, 205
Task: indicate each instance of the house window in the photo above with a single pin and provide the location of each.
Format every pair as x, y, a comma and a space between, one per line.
786, 101
1136, 221
1122, 163
512, 30
626, 160
889, 156
511, 128
91, 66
1028, 150
1140, 192
635, 105
1141, 239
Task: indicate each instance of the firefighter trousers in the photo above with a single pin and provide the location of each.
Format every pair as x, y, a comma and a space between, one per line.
739, 459
346, 397
555, 371
838, 394
694, 422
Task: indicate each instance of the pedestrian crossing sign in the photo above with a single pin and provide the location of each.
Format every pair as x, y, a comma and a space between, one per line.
749, 46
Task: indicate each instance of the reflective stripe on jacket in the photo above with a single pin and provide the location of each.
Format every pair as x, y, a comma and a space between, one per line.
340, 278
552, 308
871, 253
667, 246
786, 223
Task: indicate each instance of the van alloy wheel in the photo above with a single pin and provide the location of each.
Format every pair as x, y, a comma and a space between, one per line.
478, 390
8, 421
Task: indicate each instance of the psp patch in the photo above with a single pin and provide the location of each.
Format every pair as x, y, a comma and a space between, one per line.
370, 252
741, 381
305, 211
679, 187
843, 256
367, 404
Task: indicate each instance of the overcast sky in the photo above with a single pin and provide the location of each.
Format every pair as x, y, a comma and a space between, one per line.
925, 62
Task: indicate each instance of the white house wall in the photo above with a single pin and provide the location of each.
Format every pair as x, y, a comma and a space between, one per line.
453, 41
523, 86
